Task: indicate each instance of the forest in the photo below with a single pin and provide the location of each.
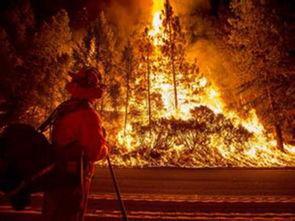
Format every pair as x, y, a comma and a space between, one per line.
189, 83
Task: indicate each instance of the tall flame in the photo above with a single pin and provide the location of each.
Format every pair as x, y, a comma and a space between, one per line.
157, 20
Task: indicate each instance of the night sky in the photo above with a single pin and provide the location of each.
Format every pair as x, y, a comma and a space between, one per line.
45, 8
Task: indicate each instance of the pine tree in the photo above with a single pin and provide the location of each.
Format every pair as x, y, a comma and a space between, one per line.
173, 49
257, 48
170, 48
15, 43
128, 59
146, 58
36, 66
105, 48
97, 49
47, 65
84, 52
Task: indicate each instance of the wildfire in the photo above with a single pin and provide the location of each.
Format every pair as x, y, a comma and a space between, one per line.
157, 22
156, 12
253, 149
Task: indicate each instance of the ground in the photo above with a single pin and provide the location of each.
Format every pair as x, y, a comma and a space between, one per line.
185, 194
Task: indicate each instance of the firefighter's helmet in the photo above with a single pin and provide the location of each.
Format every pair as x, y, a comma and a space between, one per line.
87, 77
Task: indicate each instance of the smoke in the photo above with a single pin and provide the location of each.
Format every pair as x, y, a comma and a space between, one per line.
129, 15
215, 65
208, 47
186, 7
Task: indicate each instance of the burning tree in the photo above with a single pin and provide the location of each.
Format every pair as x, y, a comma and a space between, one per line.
106, 54
254, 29
173, 45
130, 64
98, 49
147, 60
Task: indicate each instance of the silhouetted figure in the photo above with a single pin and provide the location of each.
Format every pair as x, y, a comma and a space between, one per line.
78, 141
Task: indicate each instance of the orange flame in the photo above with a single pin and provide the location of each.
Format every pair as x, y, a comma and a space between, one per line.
260, 150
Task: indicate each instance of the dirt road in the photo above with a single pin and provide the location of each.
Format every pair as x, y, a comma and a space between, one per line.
185, 194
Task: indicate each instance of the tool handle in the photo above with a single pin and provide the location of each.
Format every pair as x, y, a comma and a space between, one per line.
121, 203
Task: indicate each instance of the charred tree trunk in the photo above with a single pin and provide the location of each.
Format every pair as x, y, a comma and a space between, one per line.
279, 137
277, 127
128, 73
149, 90
173, 67
107, 71
102, 101
128, 58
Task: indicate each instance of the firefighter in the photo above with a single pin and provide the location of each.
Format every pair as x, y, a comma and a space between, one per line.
78, 139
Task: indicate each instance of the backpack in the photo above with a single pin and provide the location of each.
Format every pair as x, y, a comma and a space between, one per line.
24, 151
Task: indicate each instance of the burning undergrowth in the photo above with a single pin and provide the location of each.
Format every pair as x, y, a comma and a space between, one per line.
205, 140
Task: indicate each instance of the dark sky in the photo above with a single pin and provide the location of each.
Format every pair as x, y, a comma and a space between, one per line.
45, 8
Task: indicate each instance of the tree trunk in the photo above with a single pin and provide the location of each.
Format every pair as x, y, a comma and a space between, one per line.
107, 66
149, 90
174, 85
173, 67
127, 96
277, 127
279, 137
101, 104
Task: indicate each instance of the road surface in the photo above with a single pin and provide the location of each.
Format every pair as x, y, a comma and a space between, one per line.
172, 194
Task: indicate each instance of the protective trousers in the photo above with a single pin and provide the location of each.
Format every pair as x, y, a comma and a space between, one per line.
68, 200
